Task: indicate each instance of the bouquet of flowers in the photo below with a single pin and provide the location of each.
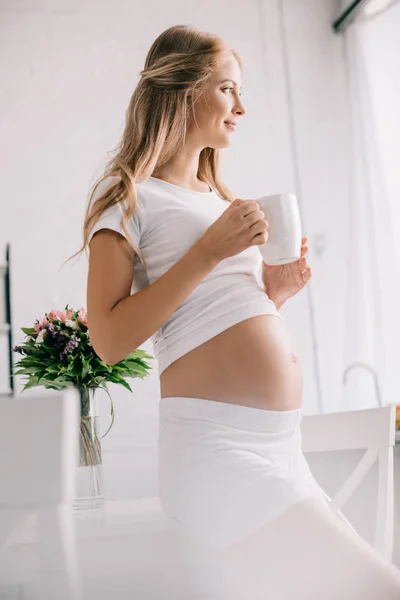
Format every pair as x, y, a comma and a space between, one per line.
57, 353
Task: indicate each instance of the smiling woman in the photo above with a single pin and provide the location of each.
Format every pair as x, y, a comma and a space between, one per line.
231, 468
217, 110
231, 121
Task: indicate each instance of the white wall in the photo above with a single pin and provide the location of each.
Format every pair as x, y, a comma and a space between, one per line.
71, 68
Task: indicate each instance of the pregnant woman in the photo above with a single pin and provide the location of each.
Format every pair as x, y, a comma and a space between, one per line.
160, 219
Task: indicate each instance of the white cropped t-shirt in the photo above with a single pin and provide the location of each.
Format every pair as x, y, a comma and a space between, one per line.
167, 222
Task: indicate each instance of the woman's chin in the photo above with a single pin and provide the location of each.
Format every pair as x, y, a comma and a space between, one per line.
223, 143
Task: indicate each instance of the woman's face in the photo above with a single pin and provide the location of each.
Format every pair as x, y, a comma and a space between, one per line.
219, 106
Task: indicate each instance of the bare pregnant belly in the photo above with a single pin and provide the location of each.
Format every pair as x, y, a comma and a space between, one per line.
254, 363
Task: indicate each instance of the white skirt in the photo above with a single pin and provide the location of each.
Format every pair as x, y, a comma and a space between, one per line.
225, 470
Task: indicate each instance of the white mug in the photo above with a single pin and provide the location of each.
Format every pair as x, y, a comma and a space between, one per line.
284, 240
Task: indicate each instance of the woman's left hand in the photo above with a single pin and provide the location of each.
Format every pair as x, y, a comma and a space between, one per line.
284, 281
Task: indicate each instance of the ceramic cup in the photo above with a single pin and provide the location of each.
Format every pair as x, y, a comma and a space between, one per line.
284, 241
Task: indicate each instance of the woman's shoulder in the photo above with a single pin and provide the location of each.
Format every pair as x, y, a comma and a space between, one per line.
104, 184
109, 180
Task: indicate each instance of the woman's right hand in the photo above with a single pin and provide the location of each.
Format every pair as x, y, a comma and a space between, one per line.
240, 226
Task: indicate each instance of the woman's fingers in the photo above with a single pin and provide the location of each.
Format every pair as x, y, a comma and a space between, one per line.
303, 263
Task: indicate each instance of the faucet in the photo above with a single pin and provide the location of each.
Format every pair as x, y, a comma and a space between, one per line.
371, 370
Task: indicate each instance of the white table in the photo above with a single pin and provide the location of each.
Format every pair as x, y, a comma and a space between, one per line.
126, 549
129, 544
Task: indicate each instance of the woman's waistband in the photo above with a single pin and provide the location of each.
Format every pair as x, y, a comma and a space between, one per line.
225, 413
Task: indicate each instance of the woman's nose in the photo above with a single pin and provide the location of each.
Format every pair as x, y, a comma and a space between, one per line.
239, 109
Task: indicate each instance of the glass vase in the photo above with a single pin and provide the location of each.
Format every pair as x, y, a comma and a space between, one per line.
89, 481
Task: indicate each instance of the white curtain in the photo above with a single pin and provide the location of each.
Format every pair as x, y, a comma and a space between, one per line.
373, 293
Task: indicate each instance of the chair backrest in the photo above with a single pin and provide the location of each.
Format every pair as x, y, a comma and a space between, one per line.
373, 430
38, 448
359, 429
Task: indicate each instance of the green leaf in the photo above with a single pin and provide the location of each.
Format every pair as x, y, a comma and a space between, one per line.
122, 382
99, 380
28, 385
29, 330
127, 362
55, 368
134, 370
54, 385
29, 371
85, 368
138, 353
143, 364
29, 361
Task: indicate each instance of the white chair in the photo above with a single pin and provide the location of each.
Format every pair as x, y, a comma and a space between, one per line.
373, 430
38, 458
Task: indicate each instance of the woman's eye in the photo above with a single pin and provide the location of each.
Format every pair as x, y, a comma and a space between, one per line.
231, 89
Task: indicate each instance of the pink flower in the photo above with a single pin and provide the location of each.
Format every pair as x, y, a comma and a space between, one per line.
53, 315
82, 316
41, 336
68, 314
61, 315
38, 326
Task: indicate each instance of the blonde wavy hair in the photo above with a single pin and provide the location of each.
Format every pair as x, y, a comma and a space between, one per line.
178, 67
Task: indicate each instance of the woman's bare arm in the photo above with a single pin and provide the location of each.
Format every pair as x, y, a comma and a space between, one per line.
119, 322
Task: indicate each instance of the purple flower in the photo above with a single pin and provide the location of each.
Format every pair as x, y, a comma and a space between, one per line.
73, 342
